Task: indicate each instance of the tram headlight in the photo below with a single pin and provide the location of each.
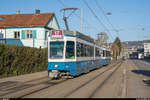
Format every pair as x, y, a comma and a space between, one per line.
56, 66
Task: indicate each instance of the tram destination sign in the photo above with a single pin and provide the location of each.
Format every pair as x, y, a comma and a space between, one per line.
56, 34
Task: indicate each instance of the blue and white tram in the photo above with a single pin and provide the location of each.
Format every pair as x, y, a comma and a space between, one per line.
71, 53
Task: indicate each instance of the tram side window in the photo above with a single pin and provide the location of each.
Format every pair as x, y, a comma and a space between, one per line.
100, 53
70, 54
91, 51
82, 53
84, 50
87, 51
108, 53
78, 49
103, 53
97, 52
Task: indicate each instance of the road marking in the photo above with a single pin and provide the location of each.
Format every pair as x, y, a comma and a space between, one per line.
123, 94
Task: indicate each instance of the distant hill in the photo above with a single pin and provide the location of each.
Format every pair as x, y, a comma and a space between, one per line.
135, 43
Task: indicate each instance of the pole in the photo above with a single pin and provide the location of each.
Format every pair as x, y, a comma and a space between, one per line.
66, 23
81, 21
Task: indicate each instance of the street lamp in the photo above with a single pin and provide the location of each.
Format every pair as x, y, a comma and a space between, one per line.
108, 13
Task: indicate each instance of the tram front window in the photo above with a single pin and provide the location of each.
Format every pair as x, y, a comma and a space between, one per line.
70, 50
56, 50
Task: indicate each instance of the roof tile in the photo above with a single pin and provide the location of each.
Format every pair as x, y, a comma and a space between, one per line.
25, 20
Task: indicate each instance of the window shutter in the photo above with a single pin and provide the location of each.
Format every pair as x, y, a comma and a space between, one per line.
34, 34
46, 32
23, 34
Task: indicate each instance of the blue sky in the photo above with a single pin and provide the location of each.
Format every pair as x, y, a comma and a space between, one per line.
130, 17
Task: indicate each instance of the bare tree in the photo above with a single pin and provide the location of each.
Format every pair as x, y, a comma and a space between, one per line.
102, 38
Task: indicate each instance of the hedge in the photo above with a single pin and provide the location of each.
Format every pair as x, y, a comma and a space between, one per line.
19, 60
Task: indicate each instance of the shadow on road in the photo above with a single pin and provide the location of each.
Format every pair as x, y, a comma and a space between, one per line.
145, 73
147, 60
147, 82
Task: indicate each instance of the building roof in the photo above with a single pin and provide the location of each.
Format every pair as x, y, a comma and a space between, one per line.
25, 20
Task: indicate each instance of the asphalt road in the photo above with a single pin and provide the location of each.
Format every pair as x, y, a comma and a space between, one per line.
143, 68
122, 79
136, 87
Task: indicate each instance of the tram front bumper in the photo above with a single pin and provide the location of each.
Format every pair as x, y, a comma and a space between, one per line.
63, 66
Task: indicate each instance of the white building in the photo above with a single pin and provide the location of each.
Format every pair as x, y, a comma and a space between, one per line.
27, 29
147, 49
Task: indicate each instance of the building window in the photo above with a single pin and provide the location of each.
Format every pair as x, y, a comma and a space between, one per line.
16, 35
28, 34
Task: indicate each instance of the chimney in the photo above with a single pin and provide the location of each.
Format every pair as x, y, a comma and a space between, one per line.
18, 12
37, 11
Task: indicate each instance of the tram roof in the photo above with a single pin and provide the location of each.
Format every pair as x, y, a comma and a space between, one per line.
83, 36
79, 35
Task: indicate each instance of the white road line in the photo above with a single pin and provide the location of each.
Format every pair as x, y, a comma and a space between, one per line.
123, 94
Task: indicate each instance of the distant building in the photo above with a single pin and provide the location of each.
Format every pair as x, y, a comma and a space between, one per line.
128, 50
147, 49
131, 49
27, 29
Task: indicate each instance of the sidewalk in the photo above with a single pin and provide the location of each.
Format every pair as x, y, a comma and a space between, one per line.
26, 77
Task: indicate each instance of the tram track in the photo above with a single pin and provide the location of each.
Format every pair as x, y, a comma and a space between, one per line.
20, 83
8, 89
44, 84
92, 79
51, 84
19, 93
103, 83
38, 90
54, 90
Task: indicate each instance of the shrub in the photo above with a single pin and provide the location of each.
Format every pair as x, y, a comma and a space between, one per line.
19, 60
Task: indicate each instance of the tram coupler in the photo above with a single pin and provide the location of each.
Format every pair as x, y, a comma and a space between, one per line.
54, 74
